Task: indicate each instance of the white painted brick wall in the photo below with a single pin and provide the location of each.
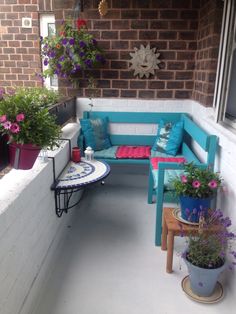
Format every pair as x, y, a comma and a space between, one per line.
29, 229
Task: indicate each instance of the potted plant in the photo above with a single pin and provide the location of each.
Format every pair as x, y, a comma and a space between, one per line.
70, 51
195, 188
207, 252
25, 118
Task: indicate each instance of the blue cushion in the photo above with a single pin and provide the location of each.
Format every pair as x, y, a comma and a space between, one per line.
169, 137
95, 133
108, 153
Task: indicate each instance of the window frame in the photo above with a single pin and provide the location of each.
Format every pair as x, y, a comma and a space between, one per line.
225, 58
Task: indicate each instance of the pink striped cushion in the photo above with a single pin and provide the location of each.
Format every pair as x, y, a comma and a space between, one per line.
156, 160
135, 152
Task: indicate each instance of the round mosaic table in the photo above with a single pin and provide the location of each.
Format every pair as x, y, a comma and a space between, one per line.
75, 177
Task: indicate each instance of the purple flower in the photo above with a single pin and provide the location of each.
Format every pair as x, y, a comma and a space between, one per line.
77, 67
82, 44
64, 41
81, 54
52, 54
88, 63
72, 41
196, 184
45, 62
94, 41
62, 58
59, 66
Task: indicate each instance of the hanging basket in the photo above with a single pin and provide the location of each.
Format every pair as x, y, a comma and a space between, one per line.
23, 156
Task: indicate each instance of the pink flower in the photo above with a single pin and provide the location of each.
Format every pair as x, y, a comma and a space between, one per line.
184, 179
213, 184
3, 118
15, 128
7, 125
20, 117
196, 184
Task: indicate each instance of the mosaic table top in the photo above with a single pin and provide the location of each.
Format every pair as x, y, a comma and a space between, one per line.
77, 175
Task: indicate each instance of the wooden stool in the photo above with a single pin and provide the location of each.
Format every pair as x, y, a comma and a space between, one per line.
171, 228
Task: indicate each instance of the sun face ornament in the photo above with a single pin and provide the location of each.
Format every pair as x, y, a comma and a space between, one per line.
103, 7
144, 61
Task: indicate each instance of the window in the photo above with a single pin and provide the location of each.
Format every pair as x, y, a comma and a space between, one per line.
225, 90
48, 28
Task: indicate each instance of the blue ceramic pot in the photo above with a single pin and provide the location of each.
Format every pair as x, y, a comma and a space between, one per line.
202, 280
191, 207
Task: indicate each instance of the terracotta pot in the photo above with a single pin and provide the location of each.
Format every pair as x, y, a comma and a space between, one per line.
23, 156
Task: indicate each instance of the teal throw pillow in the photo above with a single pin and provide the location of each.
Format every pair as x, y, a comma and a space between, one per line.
95, 133
169, 137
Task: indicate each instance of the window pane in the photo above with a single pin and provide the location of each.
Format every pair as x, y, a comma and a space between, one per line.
231, 103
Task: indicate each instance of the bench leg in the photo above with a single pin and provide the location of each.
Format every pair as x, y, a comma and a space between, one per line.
150, 187
170, 249
164, 236
159, 206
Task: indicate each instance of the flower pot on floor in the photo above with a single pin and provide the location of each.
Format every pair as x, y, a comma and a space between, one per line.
192, 207
203, 280
23, 156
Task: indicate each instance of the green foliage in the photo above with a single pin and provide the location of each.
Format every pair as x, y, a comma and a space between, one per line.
196, 182
24, 116
210, 247
70, 51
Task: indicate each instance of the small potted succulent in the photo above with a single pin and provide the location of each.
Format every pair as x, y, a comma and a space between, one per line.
25, 119
208, 251
196, 188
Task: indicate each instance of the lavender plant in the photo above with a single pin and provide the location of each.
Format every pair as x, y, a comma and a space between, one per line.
210, 247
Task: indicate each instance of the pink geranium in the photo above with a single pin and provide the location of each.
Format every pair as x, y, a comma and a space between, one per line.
196, 184
213, 184
20, 117
7, 125
184, 179
3, 118
15, 128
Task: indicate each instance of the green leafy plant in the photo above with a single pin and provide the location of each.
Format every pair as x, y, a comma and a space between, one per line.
196, 182
70, 51
209, 248
25, 118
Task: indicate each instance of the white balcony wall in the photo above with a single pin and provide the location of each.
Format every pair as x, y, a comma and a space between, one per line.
30, 231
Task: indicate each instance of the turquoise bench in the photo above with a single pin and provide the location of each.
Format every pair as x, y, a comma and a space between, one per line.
193, 135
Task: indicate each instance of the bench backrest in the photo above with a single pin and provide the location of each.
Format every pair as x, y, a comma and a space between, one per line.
192, 132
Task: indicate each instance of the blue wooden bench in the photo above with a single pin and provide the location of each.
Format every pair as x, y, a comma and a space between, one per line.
193, 134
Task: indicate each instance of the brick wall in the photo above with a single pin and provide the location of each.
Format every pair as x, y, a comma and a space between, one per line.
19, 49
171, 26
210, 16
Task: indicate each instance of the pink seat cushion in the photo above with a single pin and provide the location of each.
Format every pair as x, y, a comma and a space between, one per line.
134, 152
156, 160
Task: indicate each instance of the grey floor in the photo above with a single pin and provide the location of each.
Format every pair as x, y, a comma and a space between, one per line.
108, 263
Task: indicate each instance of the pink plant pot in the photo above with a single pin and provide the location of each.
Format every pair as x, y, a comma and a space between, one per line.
23, 156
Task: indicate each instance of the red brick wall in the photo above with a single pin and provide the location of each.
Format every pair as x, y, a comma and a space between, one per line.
19, 48
171, 26
210, 16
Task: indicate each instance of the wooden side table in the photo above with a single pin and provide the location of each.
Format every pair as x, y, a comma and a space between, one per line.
173, 227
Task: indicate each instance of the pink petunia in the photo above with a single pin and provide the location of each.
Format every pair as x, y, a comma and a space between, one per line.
15, 128
196, 184
20, 117
7, 125
184, 179
213, 184
3, 118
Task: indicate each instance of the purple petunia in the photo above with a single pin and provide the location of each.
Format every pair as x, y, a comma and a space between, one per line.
88, 62
72, 41
81, 54
94, 42
82, 44
62, 58
64, 41
45, 62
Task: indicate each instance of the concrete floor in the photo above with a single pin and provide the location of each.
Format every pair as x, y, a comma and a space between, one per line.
108, 263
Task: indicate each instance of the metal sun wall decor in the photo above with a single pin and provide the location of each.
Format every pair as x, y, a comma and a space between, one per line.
144, 61
103, 7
